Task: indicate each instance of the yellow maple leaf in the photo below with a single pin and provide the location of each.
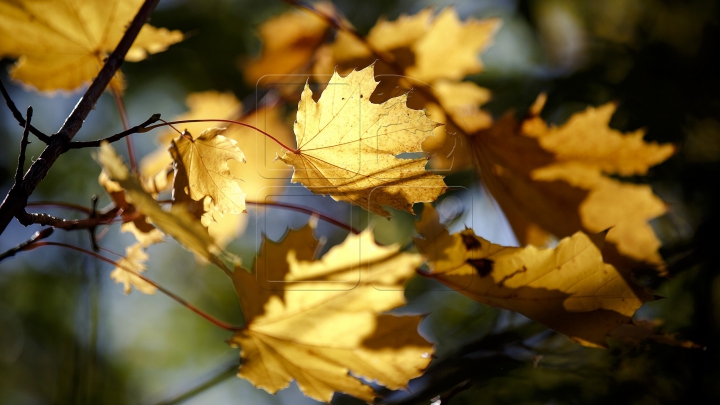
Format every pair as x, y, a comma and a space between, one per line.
263, 173
555, 180
411, 44
271, 267
60, 45
145, 233
328, 322
408, 47
347, 147
129, 266
569, 288
177, 222
205, 160
289, 42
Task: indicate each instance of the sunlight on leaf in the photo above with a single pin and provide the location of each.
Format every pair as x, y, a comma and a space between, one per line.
205, 159
133, 262
570, 289
62, 45
328, 321
347, 147
177, 222
556, 181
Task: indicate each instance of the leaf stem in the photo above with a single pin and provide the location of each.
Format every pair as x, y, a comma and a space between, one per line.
120, 104
295, 151
165, 291
305, 210
76, 207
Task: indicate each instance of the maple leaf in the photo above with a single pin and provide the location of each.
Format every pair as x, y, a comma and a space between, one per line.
327, 322
205, 161
412, 42
289, 42
60, 45
128, 267
347, 147
555, 180
569, 288
145, 233
404, 53
409, 48
260, 176
177, 222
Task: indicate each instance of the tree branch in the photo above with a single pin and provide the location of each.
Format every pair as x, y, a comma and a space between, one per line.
15, 202
134, 130
27, 218
39, 235
19, 118
23, 147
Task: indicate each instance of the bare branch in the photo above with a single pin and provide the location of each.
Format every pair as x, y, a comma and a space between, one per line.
23, 147
134, 130
39, 235
27, 218
16, 199
16, 113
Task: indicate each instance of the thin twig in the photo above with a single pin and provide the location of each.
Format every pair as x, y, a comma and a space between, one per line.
37, 236
305, 210
295, 151
76, 207
27, 219
175, 297
126, 125
14, 203
23, 147
19, 118
216, 377
137, 129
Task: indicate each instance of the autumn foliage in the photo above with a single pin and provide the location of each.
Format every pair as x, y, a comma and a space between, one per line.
379, 123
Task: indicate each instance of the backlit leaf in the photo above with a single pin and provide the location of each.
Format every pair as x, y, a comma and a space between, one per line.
62, 44
569, 288
328, 322
347, 147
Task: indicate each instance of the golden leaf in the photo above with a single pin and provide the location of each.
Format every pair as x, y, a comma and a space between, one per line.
205, 160
347, 147
63, 44
570, 289
412, 42
260, 176
289, 43
409, 47
145, 233
555, 180
271, 267
328, 321
177, 222
129, 266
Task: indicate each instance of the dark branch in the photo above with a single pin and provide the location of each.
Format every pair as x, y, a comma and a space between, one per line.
134, 130
23, 147
16, 199
16, 113
27, 218
39, 235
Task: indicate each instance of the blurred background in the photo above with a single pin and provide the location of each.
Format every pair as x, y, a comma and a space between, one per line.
68, 334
